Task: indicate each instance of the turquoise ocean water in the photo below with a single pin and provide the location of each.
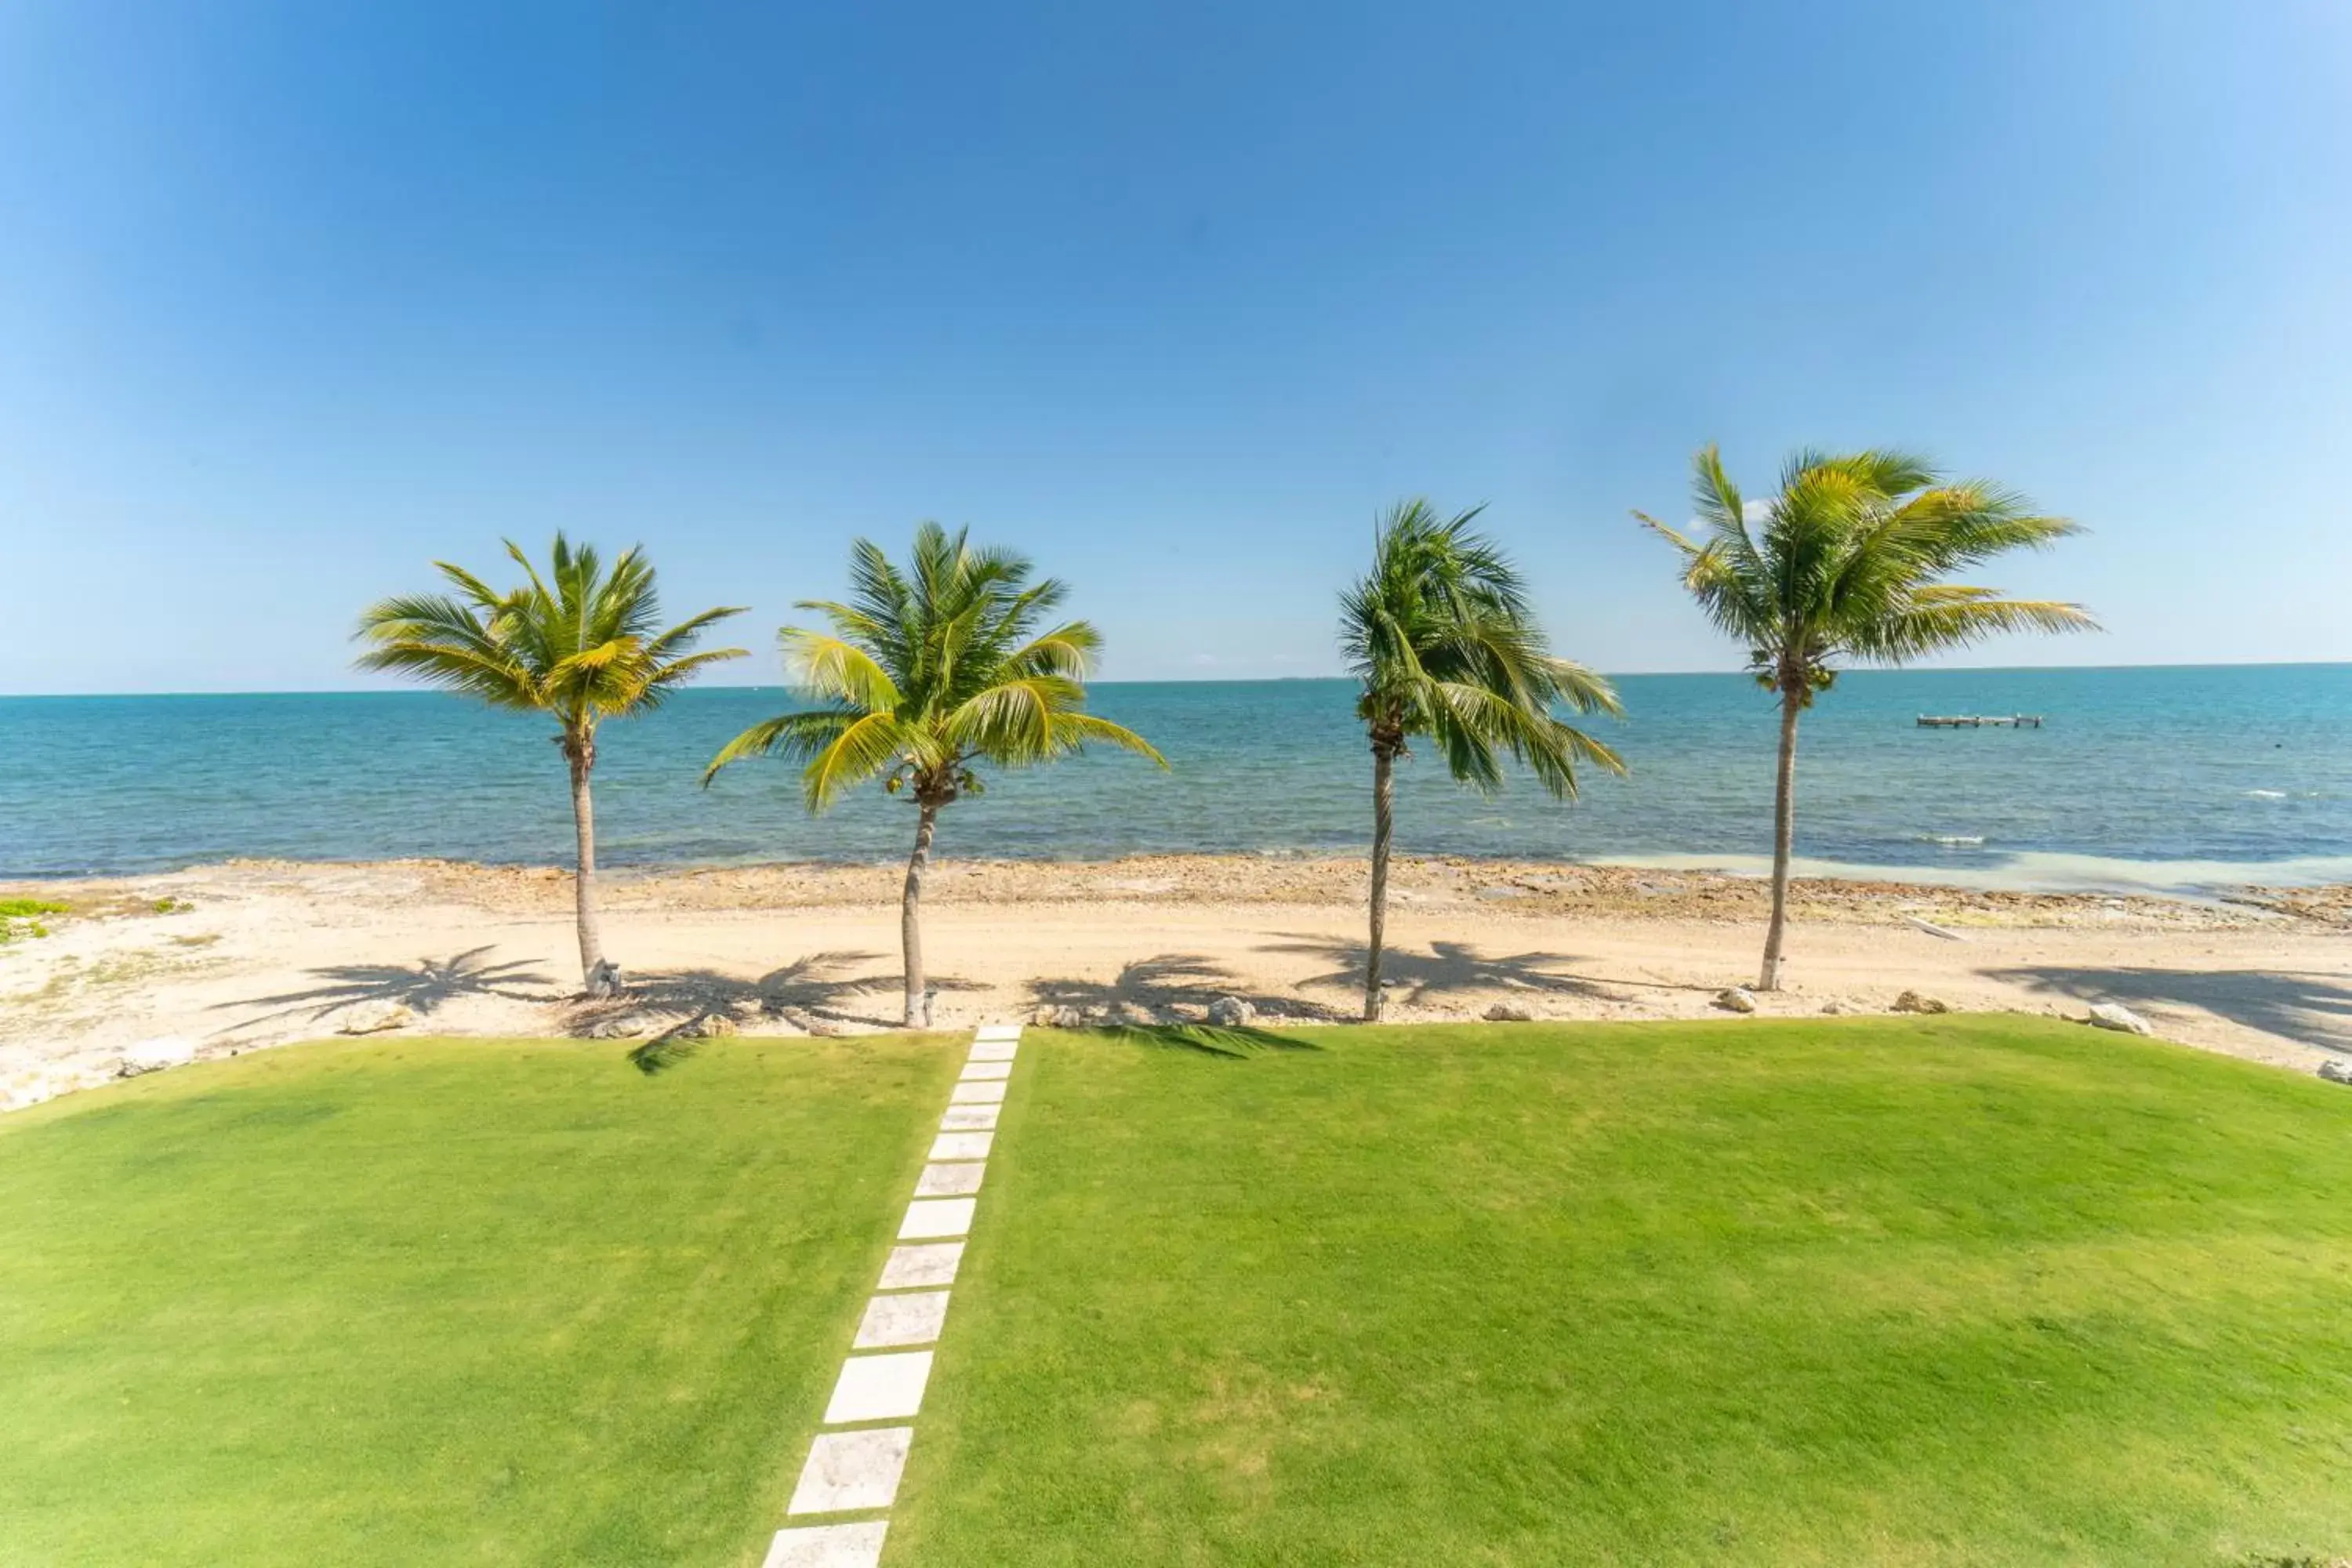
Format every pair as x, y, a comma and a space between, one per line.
2168, 778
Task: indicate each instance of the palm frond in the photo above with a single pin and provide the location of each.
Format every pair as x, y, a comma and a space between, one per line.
1850, 560
936, 665
795, 735
576, 641
867, 745
1072, 732
1011, 721
1069, 649
1947, 616
835, 667
1441, 638
1585, 690
688, 631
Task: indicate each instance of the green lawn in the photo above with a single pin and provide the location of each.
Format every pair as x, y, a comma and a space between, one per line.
1967, 1290
1954, 1291
441, 1303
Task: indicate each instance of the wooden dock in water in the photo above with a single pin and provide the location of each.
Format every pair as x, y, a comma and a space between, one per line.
1979, 720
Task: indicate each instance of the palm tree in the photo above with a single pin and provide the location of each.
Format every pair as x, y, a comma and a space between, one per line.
578, 645
1441, 639
925, 673
1847, 563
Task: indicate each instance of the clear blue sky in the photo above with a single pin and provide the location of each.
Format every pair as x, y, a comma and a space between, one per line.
294, 297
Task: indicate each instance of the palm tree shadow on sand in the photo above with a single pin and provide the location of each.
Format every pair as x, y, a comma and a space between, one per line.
1162, 985
812, 992
2309, 1009
1448, 968
1165, 984
421, 987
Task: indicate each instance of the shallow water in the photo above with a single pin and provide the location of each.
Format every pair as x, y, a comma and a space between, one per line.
2176, 777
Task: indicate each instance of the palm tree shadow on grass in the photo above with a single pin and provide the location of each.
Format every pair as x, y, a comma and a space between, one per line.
1448, 968
2309, 1009
1230, 1042
420, 988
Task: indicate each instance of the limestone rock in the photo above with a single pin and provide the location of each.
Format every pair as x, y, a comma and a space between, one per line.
1232, 1013
1510, 1013
1738, 999
1834, 1008
709, 1026
1915, 1002
155, 1055
2335, 1069
623, 1026
373, 1018
2115, 1016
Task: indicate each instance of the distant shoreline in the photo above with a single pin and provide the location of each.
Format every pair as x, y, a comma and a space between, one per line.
1662, 887
2025, 873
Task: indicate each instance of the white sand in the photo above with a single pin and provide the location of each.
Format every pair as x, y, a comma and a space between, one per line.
270, 954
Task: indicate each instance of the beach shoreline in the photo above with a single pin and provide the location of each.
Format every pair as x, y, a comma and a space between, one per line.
244, 954
1700, 886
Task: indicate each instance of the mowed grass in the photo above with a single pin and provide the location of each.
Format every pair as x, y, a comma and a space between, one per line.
448, 1303
1967, 1290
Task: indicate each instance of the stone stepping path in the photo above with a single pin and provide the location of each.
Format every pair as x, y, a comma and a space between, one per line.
855, 1464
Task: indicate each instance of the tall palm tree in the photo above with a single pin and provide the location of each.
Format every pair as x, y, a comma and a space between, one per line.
578, 645
925, 673
1847, 563
1442, 642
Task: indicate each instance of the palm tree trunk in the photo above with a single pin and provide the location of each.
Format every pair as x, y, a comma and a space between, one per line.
1383, 828
580, 752
910, 925
1784, 832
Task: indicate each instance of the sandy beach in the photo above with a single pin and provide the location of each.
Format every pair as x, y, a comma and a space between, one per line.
238, 956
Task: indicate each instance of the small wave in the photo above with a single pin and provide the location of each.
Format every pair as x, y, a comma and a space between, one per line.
1953, 840
2267, 794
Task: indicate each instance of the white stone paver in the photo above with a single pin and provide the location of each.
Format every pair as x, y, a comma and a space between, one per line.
891, 1321
932, 1263
930, 1218
879, 1387
856, 1470
962, 1145
952, 1181
827, 1546
847, 1471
